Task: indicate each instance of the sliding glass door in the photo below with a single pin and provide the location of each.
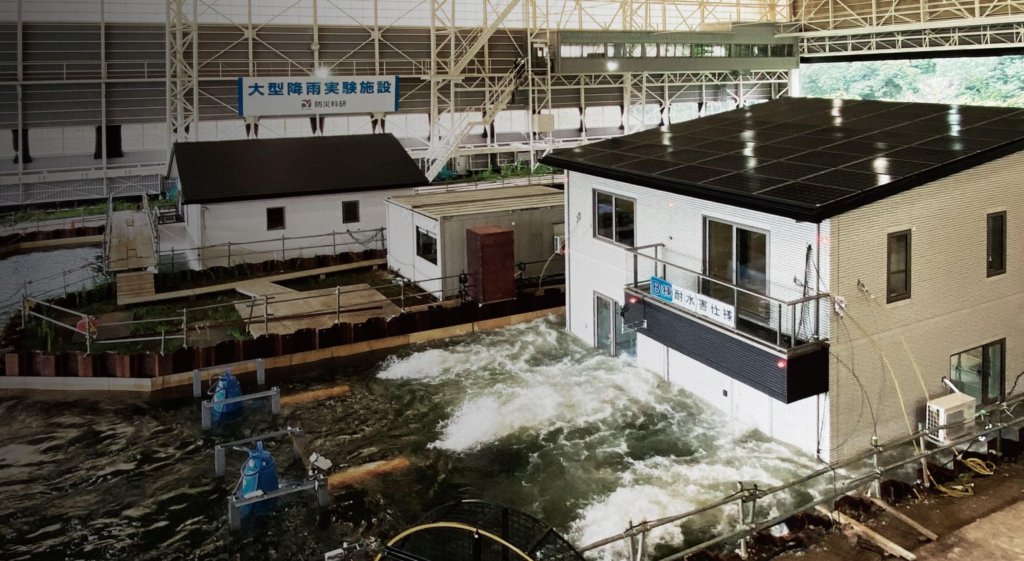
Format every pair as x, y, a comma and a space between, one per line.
611, 336
738, 256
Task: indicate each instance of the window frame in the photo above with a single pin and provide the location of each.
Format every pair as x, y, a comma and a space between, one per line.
284, 219
437, 244
986, 375
989, 271
889, 297
345, 220
612, 240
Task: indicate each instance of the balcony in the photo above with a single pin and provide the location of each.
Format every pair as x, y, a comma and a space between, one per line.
776, 346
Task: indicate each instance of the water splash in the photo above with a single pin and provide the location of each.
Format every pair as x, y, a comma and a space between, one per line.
617, 443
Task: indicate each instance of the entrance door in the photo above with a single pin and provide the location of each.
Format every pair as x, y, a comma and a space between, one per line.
603, 325
738, 256
979, 372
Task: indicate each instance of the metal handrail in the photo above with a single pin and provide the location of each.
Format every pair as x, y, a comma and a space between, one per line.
702, 276
873, 475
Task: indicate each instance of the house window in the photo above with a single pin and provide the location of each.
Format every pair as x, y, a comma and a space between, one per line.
737, 256
275, 218
979, 372
996, 244
349, 212
426, 245
898, 267
614, 218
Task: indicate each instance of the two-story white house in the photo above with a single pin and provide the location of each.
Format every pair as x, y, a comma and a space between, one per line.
811, 267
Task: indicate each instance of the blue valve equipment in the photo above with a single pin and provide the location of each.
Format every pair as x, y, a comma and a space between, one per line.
226, 387
259, 476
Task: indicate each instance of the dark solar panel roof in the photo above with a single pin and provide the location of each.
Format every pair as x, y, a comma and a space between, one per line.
238, 170
805, 158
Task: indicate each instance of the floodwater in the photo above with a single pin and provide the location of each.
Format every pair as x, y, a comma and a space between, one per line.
525, 416
45, 271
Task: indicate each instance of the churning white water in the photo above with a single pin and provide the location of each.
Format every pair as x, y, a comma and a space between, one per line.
618, 443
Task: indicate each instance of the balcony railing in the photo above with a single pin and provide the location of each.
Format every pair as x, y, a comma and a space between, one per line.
783, 325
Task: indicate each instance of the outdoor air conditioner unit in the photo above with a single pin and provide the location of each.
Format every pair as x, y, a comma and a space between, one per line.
558, 245
955, 409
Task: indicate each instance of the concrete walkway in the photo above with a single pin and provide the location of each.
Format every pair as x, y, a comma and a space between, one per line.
229, 286
996, 537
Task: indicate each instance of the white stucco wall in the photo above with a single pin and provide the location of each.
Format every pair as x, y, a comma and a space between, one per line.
402, 258
595, 265
246, 221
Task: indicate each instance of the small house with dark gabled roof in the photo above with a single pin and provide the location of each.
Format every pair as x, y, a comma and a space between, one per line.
258, 200
822, 270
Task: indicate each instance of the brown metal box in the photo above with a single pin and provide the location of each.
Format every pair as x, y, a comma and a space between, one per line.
490, 263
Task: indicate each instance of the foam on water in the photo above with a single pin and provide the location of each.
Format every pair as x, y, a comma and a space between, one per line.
635, 446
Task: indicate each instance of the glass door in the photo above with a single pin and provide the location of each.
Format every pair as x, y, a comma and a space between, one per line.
738, 256
979, 372
603, 326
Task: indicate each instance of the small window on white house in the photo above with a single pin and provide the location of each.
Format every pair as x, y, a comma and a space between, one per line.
614, 218
275, 218
426, 245
349, 212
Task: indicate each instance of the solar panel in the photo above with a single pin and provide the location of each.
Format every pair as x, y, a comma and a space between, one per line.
688, 156
695, 174
788, 170
805, 193
649, 166
745, 182
808, 152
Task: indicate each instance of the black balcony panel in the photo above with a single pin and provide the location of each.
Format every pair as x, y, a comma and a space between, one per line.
800, 373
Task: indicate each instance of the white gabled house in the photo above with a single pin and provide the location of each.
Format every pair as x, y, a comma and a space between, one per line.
810, 267
258, 200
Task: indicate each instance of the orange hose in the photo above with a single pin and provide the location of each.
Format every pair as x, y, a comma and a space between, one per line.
315, 395
358, 474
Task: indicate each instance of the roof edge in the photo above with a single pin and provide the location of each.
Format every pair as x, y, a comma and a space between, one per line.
813, 213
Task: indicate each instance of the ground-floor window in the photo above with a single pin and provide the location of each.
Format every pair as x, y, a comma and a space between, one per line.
275, 218
611, 336
426, 245
980, 372
349, 212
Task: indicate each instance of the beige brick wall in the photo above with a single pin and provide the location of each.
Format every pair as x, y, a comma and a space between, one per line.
954, 306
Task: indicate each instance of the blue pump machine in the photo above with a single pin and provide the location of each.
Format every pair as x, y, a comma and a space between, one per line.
226, 387
259, 473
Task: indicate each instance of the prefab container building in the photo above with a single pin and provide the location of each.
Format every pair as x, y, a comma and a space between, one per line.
427, 232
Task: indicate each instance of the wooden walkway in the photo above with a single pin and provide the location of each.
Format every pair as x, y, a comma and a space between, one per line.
226, 287
316, 309
130, 247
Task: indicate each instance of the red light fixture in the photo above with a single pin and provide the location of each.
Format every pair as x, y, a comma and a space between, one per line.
781, 363
633, 299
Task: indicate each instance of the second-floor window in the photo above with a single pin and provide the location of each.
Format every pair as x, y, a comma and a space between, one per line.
614, 218
898, 267
996, 253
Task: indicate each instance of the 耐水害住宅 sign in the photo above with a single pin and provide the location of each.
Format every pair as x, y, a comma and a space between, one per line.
695, 302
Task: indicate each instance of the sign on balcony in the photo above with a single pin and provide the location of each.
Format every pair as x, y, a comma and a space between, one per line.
699, 304
317, 96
